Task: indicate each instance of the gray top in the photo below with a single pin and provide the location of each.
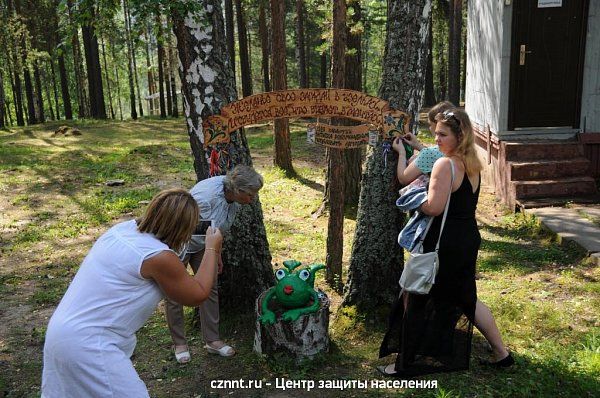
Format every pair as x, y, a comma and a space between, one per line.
210, 196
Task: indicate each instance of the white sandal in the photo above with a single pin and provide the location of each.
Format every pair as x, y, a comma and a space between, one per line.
183, 357
225, 351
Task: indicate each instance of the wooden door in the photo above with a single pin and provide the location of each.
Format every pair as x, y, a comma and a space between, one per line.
548, 45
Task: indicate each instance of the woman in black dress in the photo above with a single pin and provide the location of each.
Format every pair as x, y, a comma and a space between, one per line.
432, 333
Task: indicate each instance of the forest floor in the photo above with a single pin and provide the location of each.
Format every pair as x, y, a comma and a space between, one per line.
54, 203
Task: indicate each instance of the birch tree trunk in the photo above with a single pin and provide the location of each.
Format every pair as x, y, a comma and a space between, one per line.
208, 85
377, 260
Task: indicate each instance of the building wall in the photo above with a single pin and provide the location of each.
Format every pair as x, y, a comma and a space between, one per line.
590, 103
488, 54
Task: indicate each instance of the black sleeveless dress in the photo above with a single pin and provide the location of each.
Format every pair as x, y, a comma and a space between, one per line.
433, 334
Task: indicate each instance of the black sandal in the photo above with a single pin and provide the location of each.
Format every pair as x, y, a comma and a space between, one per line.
505, 362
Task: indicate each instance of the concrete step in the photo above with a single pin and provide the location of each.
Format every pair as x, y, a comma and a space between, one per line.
567, 186
534, 203
549, 168
524, 151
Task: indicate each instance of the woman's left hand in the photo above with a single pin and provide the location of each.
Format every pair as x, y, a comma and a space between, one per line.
398, 146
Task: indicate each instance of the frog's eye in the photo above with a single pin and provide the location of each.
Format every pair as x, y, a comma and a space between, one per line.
280, 274
304, 274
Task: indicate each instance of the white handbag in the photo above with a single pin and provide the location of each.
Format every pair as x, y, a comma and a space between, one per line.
421, 268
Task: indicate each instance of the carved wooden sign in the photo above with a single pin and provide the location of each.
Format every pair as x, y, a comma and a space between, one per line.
341, 137
311, 102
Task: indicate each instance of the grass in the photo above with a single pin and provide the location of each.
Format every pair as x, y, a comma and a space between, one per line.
54, 203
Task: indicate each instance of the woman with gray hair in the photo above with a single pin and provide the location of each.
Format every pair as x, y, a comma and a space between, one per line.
219, 199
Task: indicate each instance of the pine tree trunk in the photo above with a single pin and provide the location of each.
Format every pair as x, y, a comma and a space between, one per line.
135, 77
300, 44
134, 115
229, 27
47, 87
429, 89
283, 151
454, 46
246, 70
263, 33
2, 101
18, 94
94, 72
54, 88
247, 271
107, 78
64, 87
38, 94
151, 85
323, 83
31, 115
335, 174
353, 158
161, 73
377, 260
82, 98
118, 81
167, 70
463, 82
172, 79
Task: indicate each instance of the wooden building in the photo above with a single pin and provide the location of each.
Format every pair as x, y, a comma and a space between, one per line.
533, 94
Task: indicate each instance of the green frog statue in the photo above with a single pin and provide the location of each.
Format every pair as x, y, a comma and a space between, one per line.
292, 291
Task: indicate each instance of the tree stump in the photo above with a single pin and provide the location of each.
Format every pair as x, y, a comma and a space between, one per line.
302, 339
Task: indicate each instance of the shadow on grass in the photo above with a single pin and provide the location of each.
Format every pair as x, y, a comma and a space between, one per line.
514, 248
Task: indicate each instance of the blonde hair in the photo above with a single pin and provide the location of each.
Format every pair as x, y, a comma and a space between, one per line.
440, 107
171, 216
459, 123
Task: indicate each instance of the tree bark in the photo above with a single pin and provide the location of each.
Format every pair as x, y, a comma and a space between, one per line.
54, 88
375, 246
173, 64
454, 46
64, 86
335, 174
107, 78
31, 114
92, 61
245, 68
229, 28
353, 158
151, 85
429, 88
263, 33
167, 71
38, 94
300, 44
2, 101
283, 152
134, 115
324, 68
80, 80
118, 81
207, 85
18, 94
161, 73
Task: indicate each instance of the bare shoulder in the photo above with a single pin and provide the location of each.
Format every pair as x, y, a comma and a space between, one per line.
161, 262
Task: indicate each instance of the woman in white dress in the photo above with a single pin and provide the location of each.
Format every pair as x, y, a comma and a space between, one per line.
91, 335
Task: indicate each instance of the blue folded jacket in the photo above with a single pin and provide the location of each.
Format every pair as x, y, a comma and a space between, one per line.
416, 228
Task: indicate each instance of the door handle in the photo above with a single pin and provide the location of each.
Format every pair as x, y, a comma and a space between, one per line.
522, 54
